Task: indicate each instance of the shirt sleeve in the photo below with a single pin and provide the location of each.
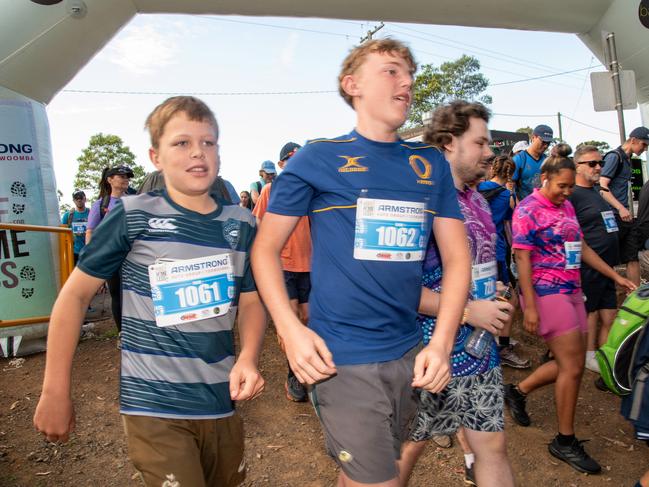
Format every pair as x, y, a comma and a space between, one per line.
234, 196
65, 218
447, 205
108, 247
262, 202
516, 177
523, 231
292, 194
248, 281
611, 160
93, 216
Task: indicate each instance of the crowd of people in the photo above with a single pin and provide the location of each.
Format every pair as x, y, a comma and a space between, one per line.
393, 326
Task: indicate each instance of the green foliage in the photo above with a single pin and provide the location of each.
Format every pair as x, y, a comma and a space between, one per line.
525, 130
63, 207
603, 147
453, 80
104, 150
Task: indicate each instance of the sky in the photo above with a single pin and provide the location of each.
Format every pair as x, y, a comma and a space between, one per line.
274, 80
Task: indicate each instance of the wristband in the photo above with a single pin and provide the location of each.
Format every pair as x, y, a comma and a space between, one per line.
606, 190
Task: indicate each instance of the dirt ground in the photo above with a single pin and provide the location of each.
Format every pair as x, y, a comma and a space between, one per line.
284, 445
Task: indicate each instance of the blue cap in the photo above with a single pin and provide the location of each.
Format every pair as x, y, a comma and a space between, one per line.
544, 132
268, 167
641, 133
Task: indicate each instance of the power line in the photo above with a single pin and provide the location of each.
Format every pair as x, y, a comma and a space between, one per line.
202, 93
261, 24
540, 77
589, 126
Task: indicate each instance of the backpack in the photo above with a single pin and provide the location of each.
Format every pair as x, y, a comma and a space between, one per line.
635, 406
615, 357
620, 159
491, 193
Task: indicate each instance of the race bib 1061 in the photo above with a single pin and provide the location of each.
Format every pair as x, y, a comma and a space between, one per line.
389, 230
190, 290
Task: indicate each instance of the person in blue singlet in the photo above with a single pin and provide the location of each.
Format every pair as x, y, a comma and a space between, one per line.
527, 175
77, 220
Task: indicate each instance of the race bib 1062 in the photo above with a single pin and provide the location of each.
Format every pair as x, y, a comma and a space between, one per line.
190, 290
389, 230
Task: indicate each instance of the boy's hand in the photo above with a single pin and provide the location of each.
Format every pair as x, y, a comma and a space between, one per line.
489, 315
308, 355
54, 417
432, 369
245, 380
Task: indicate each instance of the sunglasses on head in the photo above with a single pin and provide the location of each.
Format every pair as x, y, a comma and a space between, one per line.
592, 163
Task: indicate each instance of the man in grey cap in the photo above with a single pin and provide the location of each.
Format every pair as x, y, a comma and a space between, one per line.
527, 174
614, 188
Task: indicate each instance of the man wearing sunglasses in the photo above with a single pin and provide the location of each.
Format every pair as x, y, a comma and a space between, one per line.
527, 174
616, 176
600, 230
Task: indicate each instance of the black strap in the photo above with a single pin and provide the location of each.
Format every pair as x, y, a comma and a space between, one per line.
633, 312
103, 206
491, 193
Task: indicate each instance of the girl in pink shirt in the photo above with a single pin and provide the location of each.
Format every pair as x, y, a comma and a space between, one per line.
549, 248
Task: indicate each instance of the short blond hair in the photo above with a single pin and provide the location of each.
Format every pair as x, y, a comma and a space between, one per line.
357, 56
195, 109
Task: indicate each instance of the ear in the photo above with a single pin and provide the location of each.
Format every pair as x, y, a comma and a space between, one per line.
451, 146
153, 157
350, 85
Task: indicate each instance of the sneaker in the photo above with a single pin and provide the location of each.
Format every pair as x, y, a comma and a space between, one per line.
516, 402
601, 385
443, 441
591, 364
511, 359
575, 456
295, 391
469, 476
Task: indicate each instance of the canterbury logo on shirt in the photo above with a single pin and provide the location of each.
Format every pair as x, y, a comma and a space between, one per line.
352, 164
162, 224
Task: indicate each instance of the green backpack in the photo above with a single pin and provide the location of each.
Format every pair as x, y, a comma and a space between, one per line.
616, 355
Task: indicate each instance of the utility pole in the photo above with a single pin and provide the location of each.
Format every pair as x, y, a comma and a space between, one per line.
371, 32
560, 129
614, 67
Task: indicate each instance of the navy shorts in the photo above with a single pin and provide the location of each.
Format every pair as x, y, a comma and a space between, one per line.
298, 285
600, 291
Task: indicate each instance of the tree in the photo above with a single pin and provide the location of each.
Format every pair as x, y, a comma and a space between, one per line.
603, 147
104, 150
525, 130
453, 80
63, 207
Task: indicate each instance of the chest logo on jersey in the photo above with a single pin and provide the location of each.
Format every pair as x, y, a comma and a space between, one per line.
165, 225
232, 232
352, 164
422, 168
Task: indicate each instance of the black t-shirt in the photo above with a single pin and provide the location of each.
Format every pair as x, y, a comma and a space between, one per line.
592, 210
642, 220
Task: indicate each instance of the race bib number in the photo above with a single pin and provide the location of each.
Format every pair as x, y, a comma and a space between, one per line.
389, 230
573, 255
483, 280
79, 228
190, 290
609, 221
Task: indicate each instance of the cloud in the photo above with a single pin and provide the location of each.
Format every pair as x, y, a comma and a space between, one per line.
287, 54
143, 50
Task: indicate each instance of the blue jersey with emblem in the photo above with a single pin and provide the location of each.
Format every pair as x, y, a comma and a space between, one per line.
178, 371
365, 310
527, 174
78, 222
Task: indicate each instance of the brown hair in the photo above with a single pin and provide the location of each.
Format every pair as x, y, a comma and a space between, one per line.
555, 163
584, 149
453, 119
503, 167
357, 56
195, 109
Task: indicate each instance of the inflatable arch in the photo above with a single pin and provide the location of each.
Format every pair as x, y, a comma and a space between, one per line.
43, 43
